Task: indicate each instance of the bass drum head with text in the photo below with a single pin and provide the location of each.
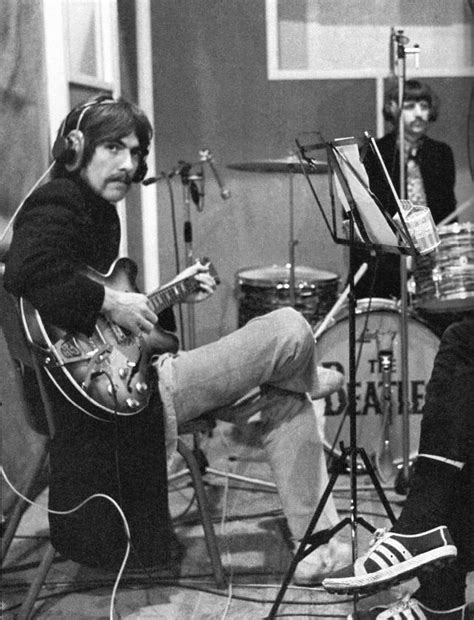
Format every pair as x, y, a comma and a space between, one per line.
377, 328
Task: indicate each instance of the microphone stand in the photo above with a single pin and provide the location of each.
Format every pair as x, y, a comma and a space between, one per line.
190, 194
383, 456
400, 65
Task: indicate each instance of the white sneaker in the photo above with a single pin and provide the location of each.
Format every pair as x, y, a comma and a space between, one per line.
391, 559
325, 559
409, 608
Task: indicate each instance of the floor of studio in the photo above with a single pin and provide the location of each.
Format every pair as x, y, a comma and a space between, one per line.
253, 543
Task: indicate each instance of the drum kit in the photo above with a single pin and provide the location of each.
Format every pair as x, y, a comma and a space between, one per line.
443, 282
261, 289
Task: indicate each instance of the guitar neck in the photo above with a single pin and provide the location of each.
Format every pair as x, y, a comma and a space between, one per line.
172, 293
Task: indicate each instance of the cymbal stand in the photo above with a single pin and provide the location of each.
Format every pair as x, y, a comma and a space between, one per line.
400, 40
292, 243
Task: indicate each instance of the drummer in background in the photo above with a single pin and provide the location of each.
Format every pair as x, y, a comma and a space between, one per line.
430, 177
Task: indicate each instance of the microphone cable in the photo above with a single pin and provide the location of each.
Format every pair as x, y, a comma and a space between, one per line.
18, 209
75, 509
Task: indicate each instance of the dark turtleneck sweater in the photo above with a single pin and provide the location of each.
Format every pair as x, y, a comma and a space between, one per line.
62, 228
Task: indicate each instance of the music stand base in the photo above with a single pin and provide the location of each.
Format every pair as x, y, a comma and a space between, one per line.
312, 541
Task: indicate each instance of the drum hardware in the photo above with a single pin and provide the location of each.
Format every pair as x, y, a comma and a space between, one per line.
290, 165
321, 327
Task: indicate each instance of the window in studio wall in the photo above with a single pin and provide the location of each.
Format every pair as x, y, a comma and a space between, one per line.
82, 56
316, 39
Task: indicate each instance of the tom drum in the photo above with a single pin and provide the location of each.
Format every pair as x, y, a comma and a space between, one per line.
263, 289
444, 279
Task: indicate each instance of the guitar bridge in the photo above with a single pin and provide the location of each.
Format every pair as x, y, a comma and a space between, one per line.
92, 372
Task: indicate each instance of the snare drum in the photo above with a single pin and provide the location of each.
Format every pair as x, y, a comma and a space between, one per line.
444, 279
263, 289
374, 324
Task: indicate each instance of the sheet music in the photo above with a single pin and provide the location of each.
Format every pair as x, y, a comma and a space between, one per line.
375, 223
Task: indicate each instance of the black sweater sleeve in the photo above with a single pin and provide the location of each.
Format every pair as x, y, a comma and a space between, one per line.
47, 257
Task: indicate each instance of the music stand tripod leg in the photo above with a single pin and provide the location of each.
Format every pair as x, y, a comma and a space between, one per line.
303, 550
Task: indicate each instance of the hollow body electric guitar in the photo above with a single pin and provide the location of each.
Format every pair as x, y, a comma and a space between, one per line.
108, 373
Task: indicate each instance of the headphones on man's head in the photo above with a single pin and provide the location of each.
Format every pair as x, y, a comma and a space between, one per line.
69, 150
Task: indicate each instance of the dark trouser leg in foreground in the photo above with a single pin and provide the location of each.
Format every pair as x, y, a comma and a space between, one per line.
420, 538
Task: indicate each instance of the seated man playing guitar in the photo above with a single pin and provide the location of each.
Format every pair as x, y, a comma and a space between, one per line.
103, 336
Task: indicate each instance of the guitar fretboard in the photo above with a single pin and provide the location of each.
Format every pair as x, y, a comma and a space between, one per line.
172, 293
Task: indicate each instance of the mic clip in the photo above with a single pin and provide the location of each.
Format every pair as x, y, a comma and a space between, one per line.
206, 157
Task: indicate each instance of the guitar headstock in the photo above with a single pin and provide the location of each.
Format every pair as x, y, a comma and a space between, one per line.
204, 260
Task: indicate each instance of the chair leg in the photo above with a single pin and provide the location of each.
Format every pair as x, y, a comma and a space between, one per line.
37, 584
204, 511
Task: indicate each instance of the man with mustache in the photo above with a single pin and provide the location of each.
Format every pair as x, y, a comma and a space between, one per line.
429, 174
70, 224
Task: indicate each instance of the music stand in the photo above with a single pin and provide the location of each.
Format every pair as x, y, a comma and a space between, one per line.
376, 231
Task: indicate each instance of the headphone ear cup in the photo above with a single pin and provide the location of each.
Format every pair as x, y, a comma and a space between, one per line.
75, 150
60, 148
390, 111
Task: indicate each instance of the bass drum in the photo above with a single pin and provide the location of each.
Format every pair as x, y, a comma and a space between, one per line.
377, 325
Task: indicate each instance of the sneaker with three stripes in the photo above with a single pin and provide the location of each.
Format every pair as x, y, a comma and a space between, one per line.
392, 558
409, 608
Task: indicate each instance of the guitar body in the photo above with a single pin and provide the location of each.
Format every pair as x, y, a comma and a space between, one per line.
108, 373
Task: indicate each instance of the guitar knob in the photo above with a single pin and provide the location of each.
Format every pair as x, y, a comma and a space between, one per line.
141, 388
122, 373
132, 403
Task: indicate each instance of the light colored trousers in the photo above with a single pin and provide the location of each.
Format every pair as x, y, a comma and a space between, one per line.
277, 353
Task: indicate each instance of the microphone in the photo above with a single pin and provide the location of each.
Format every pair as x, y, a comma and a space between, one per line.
168, 175
151, 180
206, 156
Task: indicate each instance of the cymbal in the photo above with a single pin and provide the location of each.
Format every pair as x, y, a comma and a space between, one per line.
284, 164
